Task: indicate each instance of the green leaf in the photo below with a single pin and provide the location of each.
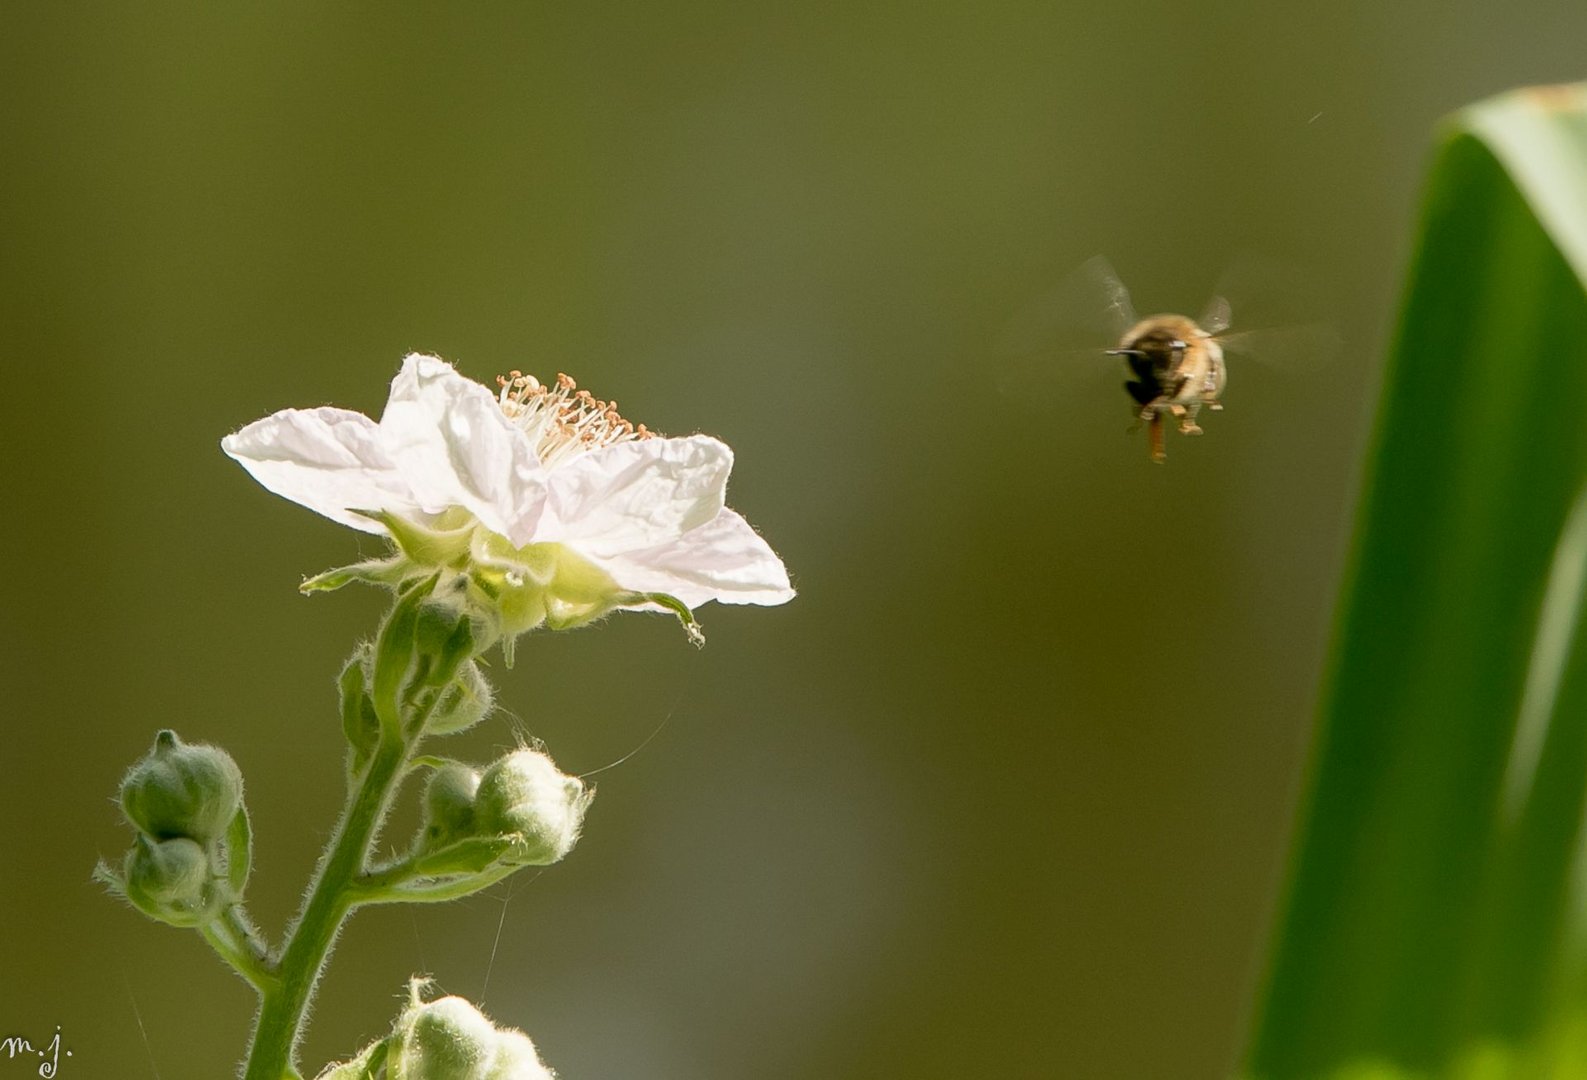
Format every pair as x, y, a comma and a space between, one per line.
1434, 902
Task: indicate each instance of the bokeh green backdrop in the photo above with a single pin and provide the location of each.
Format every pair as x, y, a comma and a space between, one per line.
1005, 792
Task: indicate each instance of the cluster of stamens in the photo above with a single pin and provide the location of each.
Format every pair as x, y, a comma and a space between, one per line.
563, 420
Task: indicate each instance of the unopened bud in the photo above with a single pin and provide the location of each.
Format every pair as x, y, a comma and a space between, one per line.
170, 880
182, 790
517, 1059
446, 1039
449, 1039
448, 805
524, 795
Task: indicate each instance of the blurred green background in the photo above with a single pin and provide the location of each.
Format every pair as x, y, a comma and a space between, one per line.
1005, 792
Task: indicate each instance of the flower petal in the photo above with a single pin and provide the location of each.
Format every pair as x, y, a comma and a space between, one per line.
456, 447
329, 460
636, 495
724, 560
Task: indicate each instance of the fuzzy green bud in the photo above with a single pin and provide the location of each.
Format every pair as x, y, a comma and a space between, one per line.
448, 805
446, 1039
525, 796
517, 1059
449, 1039
180, 790
170, 880
463, 704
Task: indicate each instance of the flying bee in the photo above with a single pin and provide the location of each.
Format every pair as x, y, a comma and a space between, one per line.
1176, 365
1178, 368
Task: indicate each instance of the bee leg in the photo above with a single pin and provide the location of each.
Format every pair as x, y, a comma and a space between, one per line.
1155, 407
1154, 435
1187, 418
1214, 383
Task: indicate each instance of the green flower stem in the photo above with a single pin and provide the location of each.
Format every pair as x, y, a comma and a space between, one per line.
377, 892
284, 1003
233, 942
243, 929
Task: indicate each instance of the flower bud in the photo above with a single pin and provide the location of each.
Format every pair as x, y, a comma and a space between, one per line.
448, 805
463, 704
182, 790
446, 1039
449, 1039
524, 795
517, 1059
170, 880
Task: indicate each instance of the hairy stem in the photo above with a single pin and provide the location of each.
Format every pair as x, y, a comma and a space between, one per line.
280, 1020
371, 891
238, 954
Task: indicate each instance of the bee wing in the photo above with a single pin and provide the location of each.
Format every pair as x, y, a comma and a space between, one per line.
1090, 306
1217, 317
1308, 345
1280, 315
1061, 336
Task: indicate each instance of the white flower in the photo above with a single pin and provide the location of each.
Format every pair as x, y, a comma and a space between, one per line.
547, 488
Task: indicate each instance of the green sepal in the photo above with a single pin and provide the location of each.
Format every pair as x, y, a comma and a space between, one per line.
113, 882
425, 546
394, 654
366, 1066
685, 614
389, 572
360, 725
462, 704
444, 641
239, 852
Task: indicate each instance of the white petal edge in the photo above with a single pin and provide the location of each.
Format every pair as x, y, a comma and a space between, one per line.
724, 560
329, 460
637, 495
456, 447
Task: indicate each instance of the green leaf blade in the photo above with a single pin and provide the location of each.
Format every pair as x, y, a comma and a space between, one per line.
1420, 920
